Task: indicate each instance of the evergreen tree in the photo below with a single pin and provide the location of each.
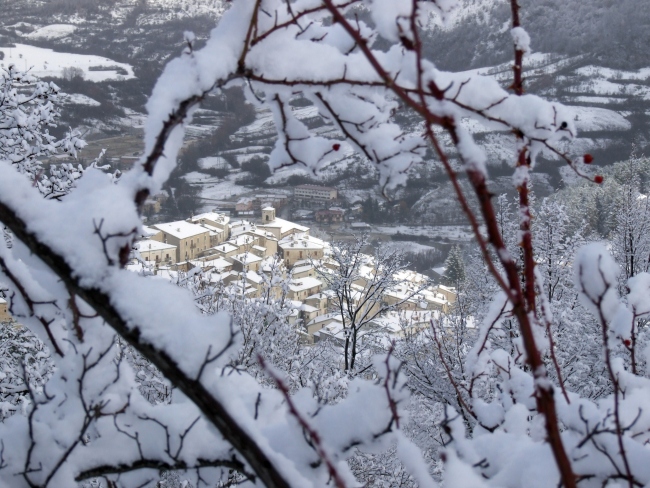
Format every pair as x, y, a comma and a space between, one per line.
455, 267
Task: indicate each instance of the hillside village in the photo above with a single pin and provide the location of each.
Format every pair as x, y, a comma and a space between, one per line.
241, 254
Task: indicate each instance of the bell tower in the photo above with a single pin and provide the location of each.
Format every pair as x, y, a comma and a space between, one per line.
268, 215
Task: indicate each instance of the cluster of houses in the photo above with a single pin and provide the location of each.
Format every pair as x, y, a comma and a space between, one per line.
240, 254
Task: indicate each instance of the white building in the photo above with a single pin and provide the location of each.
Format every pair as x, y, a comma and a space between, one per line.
156, 251
190, 239
315, 192
280, 228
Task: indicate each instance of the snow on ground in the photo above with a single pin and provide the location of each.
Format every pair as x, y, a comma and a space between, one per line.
408, 246
600, 100
54, 31
464, 10
282, 174
196, 177
455, 232
535, 64
77, 99
263, 123
19, 25
582, 145
213, 189
244, 158
213, 162
46, 62
198, 131
264, 120
593, 118
612, 74
245, 150
356, 196
601, 86
222, 190
175, 9
133, 119
475, 127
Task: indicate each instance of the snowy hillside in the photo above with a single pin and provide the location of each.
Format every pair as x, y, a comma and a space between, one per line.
43, 62
130, 41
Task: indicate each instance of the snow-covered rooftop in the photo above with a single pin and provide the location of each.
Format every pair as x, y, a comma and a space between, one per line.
302, 242
253, 277
218, 263
242, 240
149, 231
181, 229
246, 258
151, 245
304, 283
284, 226
212, 216
301, 269
225, 247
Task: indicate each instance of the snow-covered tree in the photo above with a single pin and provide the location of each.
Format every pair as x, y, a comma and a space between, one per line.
24, 365
27, 110
454, 267
362, 288
631, 234
264, 321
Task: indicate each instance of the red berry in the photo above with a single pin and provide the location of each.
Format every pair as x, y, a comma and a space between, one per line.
598, 179
627, 342
588, 158
336, 147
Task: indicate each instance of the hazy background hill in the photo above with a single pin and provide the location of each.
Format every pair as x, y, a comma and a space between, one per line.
591, 55
612, 32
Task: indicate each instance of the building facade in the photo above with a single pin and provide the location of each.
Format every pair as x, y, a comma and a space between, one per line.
315, 192
191, 240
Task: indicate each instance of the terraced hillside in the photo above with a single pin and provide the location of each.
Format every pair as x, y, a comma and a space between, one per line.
597, 67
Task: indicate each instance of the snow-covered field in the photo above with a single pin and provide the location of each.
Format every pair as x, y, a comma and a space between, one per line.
535, 64
45, 62
54, 31
593, 118
598, 100
264, 124
610, 74
78, 99
281, 175
166, 10
214, 189
452, 232
213, 162
601, 86
408, 246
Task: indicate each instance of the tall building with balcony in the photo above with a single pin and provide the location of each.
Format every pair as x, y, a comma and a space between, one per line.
190, 239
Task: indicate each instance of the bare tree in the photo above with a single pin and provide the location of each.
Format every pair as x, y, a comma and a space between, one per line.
364, 287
